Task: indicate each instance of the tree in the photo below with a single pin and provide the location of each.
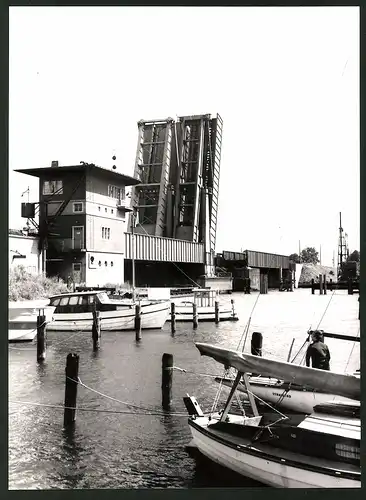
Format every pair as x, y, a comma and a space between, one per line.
354, 256
309, 256
294, 257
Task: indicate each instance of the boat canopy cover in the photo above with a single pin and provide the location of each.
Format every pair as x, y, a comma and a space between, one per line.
339, 384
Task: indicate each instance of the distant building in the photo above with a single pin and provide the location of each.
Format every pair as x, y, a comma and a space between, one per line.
24, 251
82, 216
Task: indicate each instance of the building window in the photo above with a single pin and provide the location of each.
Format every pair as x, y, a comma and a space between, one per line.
106, 233
77, 207
112, 263
52, 187
112, 210
99, 209
116, 192
105, 263
100, 263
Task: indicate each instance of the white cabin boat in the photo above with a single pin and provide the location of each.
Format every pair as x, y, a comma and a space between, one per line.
317, 451
74, 312
22, 323
205, 301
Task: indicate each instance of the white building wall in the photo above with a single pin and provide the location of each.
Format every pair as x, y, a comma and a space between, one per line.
103, 268
26, 246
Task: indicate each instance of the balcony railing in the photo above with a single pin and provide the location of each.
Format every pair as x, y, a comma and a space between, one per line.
64, 245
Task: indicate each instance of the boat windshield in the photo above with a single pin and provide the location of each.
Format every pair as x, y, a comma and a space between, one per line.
103, 298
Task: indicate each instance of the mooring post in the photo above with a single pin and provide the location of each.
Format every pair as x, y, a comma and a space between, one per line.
232, 307
331, 285
320, 284
172, 317
350, 287
166, 380
312, 286
256, 344
217, 312
96, 328
71, 388
195, 315
138, 322
325, 284
41, 337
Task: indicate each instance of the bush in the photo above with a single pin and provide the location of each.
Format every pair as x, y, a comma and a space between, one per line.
27, 286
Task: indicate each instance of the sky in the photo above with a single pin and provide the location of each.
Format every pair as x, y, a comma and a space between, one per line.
285, 81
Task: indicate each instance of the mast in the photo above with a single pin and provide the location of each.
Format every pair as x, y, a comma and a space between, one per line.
133, 254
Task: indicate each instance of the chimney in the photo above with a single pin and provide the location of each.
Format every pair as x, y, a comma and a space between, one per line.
54, 163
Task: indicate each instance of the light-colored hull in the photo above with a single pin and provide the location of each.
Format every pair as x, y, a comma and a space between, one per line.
184, 312
296, 399
276, 473
22, 325
152, 316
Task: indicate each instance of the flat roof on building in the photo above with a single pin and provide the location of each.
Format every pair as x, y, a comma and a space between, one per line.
38, 172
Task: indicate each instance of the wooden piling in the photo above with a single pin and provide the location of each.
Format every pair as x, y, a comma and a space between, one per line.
41, 337
96, 329
71, 388
312, 287
195, 316
217, 312
256, 343
138, 322
166, 380
331, 284
232, 307
320, 284
172, 317
325, 284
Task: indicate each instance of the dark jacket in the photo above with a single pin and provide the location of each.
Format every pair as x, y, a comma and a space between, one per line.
319, 354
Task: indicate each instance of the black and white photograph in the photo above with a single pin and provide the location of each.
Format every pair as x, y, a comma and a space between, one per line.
184, 247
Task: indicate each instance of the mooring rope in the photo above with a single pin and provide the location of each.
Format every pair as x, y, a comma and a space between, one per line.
123, 412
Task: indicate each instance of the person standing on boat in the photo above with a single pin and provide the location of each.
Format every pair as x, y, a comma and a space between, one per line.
318, 352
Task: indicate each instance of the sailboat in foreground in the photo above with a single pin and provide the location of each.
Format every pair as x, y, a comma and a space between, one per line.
321, 450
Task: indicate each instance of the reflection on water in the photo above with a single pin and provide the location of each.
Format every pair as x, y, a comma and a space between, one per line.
135, 449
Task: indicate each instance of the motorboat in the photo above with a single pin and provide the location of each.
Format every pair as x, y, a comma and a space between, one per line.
22, 322
74, 312
204, 299
320, 450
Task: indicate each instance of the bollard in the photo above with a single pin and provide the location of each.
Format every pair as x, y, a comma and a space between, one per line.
325, 284
331, 285
138, 322
172, 317
320, 284
217, 312
312, 286
71, 388
195, 316
256, 344
166, 380
41, 337
96, 329
350, 287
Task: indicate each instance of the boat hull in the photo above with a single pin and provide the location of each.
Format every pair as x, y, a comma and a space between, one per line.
153, 316
22, 323
259, 465
297, 398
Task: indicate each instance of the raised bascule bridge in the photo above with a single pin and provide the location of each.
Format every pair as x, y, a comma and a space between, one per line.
91, 232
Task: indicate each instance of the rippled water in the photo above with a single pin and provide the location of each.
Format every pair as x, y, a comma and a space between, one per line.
136, 450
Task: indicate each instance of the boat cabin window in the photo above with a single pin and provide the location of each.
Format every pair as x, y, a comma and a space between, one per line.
55, 302
64, 301
74, 300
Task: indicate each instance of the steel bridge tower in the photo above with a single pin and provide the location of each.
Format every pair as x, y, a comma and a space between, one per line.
178, 164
